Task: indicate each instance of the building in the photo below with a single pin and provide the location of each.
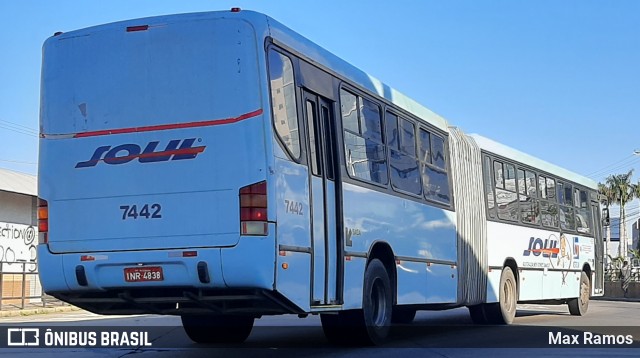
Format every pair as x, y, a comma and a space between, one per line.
633, 236
18, 237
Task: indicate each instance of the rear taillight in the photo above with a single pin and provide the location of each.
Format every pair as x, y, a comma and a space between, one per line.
43, 221
253, 209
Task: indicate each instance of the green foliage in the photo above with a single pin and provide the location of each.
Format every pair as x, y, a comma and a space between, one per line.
618, 189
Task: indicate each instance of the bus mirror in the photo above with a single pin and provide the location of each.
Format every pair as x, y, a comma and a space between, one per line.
605, 217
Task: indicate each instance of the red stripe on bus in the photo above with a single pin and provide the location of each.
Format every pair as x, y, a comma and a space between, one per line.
163, 127
552, 250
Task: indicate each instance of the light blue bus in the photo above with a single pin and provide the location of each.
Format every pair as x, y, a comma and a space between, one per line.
221, 167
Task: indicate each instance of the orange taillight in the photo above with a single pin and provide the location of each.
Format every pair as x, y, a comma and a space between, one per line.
253, 209
43, 221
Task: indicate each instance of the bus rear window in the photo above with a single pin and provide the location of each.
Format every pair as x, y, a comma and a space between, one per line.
283, 102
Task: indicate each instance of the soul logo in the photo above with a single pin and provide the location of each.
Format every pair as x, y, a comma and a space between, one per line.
177, 149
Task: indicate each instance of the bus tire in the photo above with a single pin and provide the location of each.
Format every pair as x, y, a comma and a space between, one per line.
376, 304
372, 323
578, 306
217, 328
504, 311
403, 315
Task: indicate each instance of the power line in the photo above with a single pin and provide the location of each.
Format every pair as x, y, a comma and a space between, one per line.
17, 162
18, 128
625, 164
18, 125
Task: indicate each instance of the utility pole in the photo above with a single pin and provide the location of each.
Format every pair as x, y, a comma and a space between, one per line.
635, 152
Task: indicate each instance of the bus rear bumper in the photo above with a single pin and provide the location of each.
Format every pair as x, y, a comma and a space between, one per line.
180, 301
238, 279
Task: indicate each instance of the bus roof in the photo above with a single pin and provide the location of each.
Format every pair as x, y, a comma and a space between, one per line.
504, 151
282, 35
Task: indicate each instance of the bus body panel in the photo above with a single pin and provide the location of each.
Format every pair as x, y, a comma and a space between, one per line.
171, 115
52, 276
293, 231
107, 271
292, 204
419, 234
251, 263
549, 263
150, 134
354, 268
293, 277
421, 282
412, 229
133, 206
178, 70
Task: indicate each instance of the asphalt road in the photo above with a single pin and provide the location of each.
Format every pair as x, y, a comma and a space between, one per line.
433, 333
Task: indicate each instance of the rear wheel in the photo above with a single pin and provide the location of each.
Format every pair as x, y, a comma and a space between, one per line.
504, 311
372, 323
579, 306
217, 328
376, 303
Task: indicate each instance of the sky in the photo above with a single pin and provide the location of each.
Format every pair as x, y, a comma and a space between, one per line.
559, 80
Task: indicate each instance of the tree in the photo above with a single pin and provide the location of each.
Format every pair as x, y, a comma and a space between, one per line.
607, 196
637, 195
624, 191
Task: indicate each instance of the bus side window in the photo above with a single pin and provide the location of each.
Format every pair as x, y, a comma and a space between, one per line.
349, 107
549, 214
435, 179
510, 177
568, 195
488, 187
365, 153
437, 151
530, 178
506, 196
498, 175
583, 213
548, 208
529, 205
560, 188
567, 218
521, 182
283, 102
551, 189
542, 186
405, 175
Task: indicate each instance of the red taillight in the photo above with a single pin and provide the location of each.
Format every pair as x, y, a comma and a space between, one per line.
253, 209
43, 221
235, 9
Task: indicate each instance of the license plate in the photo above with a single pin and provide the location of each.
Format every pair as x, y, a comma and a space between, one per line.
143, 274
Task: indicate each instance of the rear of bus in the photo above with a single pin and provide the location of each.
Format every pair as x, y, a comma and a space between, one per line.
153, 175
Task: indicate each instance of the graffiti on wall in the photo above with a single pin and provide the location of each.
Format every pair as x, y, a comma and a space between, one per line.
18, 247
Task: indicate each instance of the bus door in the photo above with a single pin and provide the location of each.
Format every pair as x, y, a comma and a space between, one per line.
598, 247
320, 139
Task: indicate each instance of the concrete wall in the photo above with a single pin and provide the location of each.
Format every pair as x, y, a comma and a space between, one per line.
18, 208
614, 289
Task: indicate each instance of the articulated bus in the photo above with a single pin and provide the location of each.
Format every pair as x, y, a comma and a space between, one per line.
220, 167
